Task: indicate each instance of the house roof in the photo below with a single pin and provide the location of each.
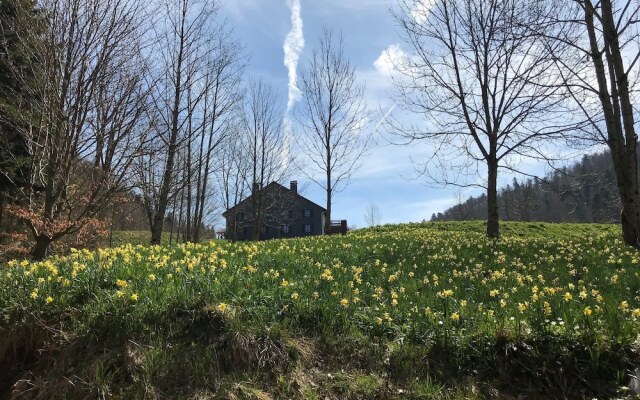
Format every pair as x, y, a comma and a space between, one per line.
277, 186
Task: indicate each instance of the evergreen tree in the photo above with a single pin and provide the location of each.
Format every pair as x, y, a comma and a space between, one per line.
16, 57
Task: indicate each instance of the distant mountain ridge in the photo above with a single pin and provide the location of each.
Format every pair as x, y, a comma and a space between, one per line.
583, 192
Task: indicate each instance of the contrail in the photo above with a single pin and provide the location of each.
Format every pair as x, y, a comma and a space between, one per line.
384, 118
293, 46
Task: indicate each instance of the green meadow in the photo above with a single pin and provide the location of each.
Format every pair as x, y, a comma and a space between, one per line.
414, 311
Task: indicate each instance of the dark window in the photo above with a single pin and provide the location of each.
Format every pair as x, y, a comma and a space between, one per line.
307, 212
263, 230
244, 230
307, 228
240, 216
286, 229
290, 213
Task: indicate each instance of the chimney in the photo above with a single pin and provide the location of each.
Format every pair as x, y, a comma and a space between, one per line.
256, 187
294, 186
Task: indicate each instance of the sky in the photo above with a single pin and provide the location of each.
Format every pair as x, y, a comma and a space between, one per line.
279, 36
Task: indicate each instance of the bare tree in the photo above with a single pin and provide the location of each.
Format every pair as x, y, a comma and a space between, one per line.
602, 77
482, 82
85, 120
211, 120
185, 40
332, 116
372, 215
231, 176
268, 158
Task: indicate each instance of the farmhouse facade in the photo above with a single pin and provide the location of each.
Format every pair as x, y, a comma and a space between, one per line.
274, 212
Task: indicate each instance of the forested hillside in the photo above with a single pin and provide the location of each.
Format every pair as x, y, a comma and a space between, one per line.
583, 192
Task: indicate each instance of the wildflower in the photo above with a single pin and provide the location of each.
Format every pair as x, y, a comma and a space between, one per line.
134, 297
583, 294
445, 293
587, 311
152, 277
284, 283
378, 320
315, 295
624, 306
494, 293
567, 296
119, 293
222, 307
522, 307
34, 293
49, 299
294, 295
635, 313
455, 316
122, 283
344, 302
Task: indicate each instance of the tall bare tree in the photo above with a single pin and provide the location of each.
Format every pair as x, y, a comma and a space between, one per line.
185, 40
212, 120
231, 176
267, 152
602, 77
85, 119
372, 214
332, 116
482, 82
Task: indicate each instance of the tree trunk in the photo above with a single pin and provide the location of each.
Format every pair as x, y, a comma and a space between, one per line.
327, 221
41, 248
156, 234
630, 215
618, 111
493, 228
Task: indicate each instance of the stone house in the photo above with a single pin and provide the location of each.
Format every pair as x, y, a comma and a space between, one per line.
272, 212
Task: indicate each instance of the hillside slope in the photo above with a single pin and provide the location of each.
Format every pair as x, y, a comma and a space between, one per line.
410, 311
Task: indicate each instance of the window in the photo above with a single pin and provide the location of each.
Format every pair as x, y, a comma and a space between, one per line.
290, 213
307, 212
240, 216
286, 229
307, 228
263, 230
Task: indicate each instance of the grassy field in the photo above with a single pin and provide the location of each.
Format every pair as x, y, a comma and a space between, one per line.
410, 312
134, 238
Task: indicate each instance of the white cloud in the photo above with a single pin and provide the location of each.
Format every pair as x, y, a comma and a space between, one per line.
421, 10
389, 60
293, 46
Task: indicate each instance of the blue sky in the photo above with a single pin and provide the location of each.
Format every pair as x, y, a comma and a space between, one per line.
369, 30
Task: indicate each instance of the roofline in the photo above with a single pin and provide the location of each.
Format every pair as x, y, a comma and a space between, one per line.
224, 214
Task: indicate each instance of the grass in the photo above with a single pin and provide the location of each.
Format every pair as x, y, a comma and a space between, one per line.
135, 238
407, 311
121, 238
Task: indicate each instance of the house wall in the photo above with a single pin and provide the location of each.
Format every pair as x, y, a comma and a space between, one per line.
282, 208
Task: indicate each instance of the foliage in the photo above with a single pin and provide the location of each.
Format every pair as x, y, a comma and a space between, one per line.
423, 309
583, 192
